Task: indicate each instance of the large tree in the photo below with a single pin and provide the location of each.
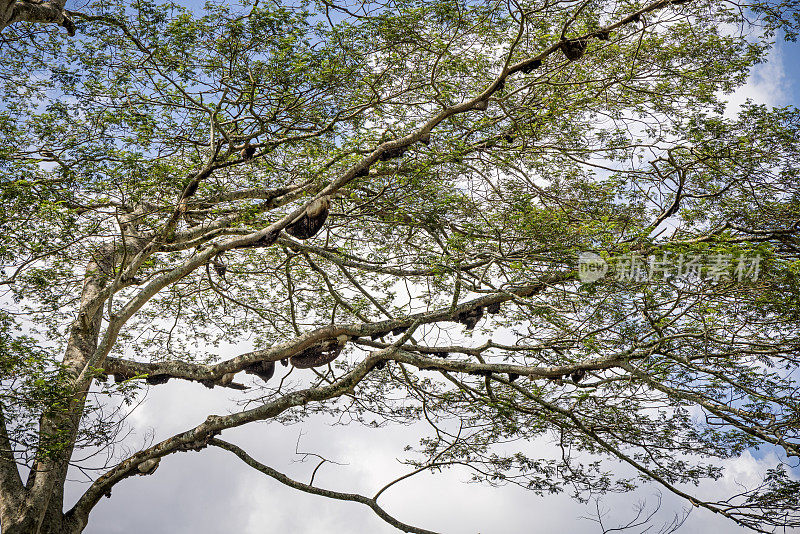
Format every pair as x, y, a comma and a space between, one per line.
165, 172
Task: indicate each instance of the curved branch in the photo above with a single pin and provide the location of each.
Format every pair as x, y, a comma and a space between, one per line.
198, 437
615, 451
283, 479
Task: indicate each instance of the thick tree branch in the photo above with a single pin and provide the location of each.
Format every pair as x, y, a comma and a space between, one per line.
199, 436
31, 11
281, 351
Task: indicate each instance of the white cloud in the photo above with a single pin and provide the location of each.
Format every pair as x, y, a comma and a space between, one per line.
768, 84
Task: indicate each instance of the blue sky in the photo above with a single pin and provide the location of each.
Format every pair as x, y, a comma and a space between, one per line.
791, 62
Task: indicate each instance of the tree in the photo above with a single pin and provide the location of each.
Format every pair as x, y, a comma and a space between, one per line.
163, 172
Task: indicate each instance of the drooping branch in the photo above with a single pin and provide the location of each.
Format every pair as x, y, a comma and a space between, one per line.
730, 414
331, 494
199, 436
616, 451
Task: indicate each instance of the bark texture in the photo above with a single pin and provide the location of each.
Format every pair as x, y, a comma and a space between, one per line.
41, 12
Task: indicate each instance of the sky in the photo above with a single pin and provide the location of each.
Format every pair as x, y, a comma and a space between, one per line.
790, 63
212, 491
777, 82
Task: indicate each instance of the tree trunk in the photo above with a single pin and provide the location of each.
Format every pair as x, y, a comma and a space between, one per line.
37, 507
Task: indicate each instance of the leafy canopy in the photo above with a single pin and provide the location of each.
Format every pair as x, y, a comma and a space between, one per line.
121, 150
